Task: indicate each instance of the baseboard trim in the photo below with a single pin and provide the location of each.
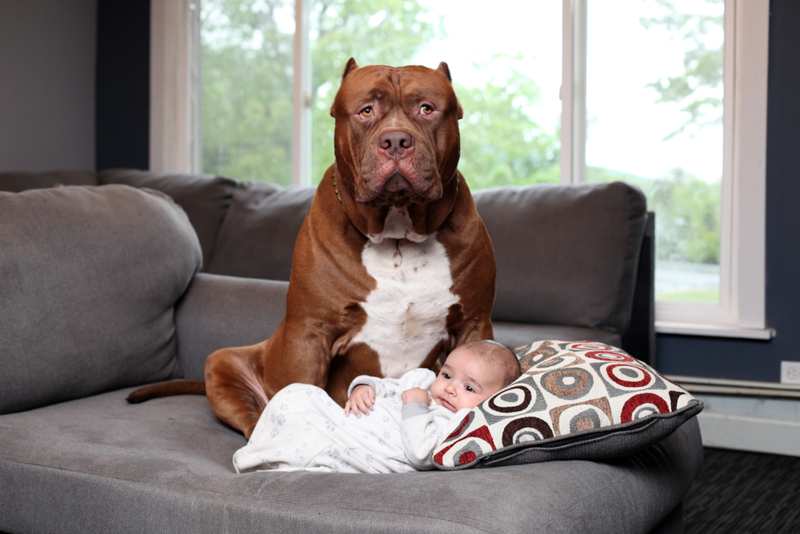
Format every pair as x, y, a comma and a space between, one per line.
765, 425
694, 384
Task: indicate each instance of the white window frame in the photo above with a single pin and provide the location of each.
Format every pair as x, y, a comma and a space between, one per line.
741, 311
174, 141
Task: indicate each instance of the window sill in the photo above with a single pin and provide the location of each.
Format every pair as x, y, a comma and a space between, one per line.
708, 330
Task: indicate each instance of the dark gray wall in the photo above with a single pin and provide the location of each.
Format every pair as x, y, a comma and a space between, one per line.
122, 116
47, 68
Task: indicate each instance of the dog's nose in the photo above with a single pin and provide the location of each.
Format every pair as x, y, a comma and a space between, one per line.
395, 143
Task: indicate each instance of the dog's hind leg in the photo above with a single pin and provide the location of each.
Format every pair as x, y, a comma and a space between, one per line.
235, 387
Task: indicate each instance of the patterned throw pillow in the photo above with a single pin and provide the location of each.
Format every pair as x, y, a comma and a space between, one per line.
574, 400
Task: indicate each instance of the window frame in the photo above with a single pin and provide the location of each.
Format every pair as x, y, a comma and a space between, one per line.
741, 310
174, 141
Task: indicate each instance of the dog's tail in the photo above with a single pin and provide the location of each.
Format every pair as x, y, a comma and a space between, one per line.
167, 389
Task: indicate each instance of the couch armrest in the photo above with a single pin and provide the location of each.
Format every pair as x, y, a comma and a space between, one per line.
640, 339
225, 311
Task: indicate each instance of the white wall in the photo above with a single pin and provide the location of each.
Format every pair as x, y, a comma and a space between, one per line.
47, 84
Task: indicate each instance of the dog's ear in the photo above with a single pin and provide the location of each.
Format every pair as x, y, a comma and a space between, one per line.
349, 68
444, 69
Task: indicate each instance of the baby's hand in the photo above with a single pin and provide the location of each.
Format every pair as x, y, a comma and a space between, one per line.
361, 401
416, 395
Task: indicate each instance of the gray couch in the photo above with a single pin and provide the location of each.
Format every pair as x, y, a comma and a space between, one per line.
573, 263
103, 289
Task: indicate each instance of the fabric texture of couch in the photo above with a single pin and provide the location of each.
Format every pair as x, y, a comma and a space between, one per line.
573, 262
102, 291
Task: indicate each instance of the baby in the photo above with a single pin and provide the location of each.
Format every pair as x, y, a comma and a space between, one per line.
302, 428
471, 374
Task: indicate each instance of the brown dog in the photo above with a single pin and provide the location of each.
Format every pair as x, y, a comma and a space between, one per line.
392, 267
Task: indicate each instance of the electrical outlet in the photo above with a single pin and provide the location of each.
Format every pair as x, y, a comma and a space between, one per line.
790, 372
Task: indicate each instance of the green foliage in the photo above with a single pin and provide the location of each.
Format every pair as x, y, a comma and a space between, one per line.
698, 89
374, 32
247, 69
248, 106
688, 220
501, 144
699, 295
689, 209
247, 90
687, 213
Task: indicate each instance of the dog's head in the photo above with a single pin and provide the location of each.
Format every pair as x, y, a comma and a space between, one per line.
397, 140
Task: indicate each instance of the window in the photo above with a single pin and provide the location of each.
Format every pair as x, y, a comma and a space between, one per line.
707, 62
250, 72
667, 94
653, 117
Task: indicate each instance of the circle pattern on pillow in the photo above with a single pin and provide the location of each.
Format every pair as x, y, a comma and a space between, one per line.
570, 383
567, 390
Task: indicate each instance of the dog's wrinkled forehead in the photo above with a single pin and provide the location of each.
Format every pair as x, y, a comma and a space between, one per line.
362, 85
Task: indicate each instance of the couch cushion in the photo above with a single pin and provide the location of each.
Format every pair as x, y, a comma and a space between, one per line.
514, 335
250, 309
573, 401
102, 465
14, 182
566, 255
203, 197
88, 280
258, 235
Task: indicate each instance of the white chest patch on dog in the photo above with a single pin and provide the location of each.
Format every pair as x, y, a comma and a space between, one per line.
407, 311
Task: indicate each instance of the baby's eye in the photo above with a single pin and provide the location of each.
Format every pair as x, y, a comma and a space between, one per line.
446, 375
470, 389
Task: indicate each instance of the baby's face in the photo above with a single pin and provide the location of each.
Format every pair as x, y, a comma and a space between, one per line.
465, 381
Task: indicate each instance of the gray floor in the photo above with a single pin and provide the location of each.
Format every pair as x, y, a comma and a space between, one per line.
745, 492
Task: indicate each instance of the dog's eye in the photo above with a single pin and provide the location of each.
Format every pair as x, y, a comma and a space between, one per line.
426, 109
367, 112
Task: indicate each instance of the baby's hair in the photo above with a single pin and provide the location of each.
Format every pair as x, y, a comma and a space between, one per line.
499, 355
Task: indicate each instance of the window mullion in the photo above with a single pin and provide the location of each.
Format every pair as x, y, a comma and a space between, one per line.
728, 290
573, 92
301, 126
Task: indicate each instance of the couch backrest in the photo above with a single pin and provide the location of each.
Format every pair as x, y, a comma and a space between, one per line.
205, 198
15, 182
566, 255
259, 231
89, 277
